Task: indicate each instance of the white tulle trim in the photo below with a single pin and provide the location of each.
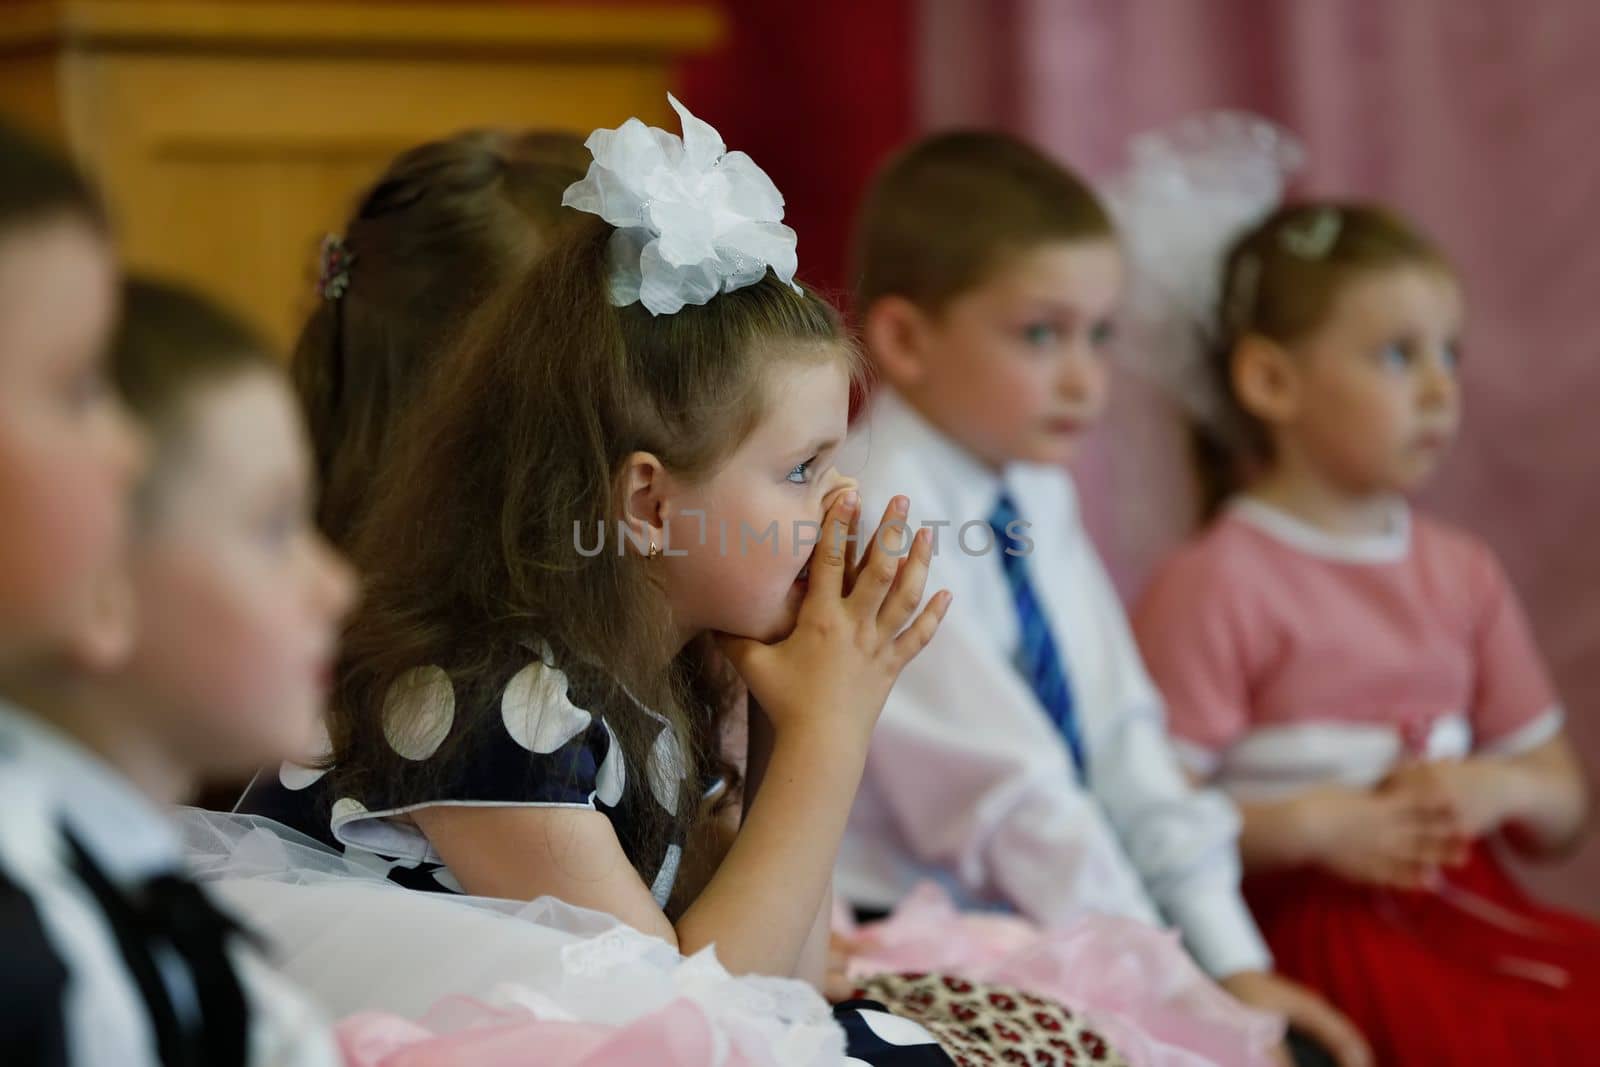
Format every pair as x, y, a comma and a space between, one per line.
359, 943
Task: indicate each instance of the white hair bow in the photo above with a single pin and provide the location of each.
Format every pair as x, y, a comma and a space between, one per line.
693, 219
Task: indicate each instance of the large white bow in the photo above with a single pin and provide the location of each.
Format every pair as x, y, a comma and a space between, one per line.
693, 219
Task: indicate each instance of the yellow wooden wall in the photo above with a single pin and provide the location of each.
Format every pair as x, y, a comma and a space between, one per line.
230, 136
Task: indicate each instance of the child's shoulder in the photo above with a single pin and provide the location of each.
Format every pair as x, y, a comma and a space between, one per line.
1225, 554
1455, 556
1227, 573
1443, 540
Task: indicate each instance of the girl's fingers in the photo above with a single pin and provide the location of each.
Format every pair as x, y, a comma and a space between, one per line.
915, 638
906, 593
1412, 873
1425, 793
1402, 875
852, 557
1431, 816
851, 563
828, 557
882, 561
1433, 850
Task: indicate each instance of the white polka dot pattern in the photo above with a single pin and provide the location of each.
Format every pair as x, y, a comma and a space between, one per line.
297, 776
893, 1030
347, 808
664, 768
537, 712
612, 777
418, 712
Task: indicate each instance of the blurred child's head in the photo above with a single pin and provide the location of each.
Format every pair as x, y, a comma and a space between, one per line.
1337, 351
240, 600
68, 454
444, 226
987, 278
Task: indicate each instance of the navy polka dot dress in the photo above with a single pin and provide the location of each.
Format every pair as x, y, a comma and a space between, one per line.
539, 748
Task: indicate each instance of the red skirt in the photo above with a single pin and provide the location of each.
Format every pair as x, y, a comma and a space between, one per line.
1474, 973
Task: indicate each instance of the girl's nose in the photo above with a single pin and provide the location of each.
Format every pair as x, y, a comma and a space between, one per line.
843, 484
1439, 384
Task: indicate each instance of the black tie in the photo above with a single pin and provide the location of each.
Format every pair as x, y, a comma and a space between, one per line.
33, 984
171, 914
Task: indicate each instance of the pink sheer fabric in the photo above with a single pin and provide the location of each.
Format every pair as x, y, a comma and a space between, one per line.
1474, 117
1133, 982
468, 1031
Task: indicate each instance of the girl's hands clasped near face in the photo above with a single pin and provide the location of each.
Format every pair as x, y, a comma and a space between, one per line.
859, 626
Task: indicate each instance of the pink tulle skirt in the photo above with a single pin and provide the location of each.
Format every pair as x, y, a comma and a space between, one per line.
465, 1031
1136, 983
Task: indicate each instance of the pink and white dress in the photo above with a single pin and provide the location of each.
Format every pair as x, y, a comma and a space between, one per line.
1290, 657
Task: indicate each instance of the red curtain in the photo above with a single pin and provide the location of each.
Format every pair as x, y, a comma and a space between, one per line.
817, 94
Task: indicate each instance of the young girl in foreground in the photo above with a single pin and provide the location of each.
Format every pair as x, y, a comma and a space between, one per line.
522, 715
1360, 676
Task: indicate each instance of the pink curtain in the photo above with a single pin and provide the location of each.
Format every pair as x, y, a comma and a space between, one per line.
1480, 119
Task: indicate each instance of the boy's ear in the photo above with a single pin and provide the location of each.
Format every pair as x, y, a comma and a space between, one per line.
644, 486
1265, 379
896, 331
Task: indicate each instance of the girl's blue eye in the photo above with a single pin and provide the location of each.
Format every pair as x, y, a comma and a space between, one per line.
800, 475
1452, 355
1396, 357
1103, 333
1041, 333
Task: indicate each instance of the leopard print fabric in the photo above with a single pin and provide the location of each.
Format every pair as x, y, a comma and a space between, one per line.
980, 1025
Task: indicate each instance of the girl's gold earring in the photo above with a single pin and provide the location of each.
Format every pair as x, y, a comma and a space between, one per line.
655, 550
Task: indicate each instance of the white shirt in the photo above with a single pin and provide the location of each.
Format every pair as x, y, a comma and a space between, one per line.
49, 784
969, 783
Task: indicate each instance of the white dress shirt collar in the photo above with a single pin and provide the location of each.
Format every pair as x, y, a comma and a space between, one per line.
126, 832
963, 488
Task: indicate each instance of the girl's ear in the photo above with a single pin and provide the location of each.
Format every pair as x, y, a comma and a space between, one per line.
644, 488
1265, 380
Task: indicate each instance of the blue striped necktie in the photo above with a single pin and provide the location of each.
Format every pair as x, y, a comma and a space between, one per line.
1038, 657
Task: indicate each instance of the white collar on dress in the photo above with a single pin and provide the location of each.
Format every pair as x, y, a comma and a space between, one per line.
126, 832
1389, 546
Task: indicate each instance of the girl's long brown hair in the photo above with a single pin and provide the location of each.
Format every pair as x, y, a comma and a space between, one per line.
444, 226
468, 543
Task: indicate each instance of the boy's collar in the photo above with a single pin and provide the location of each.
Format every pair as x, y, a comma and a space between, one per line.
969, 488
127, 833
